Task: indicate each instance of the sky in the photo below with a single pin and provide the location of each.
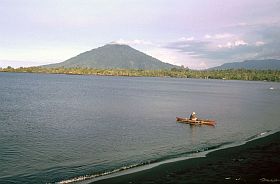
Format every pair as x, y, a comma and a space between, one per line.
195, 33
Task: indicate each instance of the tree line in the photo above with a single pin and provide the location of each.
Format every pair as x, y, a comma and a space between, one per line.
230, 74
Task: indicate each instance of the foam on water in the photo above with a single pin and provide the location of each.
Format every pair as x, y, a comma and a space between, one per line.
258, 135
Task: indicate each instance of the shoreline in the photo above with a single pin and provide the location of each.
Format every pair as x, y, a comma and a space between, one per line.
256, 161
251, 75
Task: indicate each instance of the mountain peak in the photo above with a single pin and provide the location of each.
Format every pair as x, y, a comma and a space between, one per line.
116, 43
114, 55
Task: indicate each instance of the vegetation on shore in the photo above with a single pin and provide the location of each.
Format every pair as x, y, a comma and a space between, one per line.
231, 74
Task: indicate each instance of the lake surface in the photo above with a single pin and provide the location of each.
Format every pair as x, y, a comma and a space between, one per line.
56, 128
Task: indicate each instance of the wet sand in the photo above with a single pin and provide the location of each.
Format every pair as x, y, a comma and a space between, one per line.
257, 161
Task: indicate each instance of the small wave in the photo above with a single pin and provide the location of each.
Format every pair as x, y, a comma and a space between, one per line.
257, 135
88, 177
213, 147
150, 164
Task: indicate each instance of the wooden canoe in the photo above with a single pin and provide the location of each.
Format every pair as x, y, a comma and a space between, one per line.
196, 122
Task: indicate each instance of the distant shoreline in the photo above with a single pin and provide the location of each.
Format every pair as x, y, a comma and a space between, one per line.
231, 74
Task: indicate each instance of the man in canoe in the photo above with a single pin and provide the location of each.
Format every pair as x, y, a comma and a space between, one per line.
193, 116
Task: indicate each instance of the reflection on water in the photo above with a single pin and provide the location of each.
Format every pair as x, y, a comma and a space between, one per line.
193, 131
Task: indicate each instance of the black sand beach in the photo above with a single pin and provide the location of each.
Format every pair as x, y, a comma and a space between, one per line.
257, 161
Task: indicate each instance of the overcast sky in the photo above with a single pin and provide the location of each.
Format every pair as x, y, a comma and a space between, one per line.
194, 33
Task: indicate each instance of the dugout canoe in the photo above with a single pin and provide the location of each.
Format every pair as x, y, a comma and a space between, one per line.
196, 122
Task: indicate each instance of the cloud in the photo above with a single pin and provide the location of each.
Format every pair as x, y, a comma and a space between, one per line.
236, 43
231, 51
132, 42
240, 43
192, 47
180, 58
219, 36
251, 42
259, 43
207, 36
186, 39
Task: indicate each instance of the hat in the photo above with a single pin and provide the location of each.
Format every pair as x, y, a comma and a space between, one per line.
193, 113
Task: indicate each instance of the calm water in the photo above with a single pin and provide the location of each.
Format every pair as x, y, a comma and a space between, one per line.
58, 127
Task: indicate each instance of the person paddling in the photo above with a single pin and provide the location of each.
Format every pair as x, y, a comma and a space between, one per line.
193, 116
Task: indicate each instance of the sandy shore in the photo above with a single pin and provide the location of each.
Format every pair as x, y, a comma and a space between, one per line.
257, 161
